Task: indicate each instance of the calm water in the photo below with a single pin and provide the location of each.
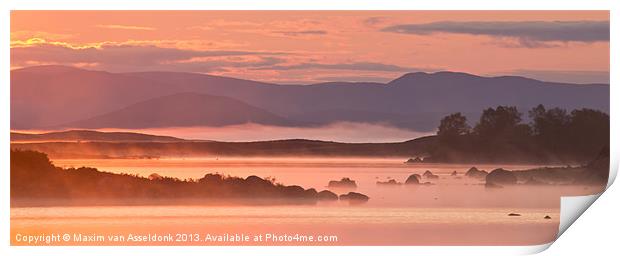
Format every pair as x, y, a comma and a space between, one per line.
455, 210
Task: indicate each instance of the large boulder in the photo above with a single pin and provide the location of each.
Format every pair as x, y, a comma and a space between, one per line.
413, 179
354, 198
475, 173
501, 177
429, 175
311, 193
342, 183
294, 192
327, 195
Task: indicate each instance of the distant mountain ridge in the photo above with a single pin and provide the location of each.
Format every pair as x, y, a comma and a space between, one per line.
86, 135
183, 109
40, 98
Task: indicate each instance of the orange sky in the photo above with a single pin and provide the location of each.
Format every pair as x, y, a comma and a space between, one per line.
318, 46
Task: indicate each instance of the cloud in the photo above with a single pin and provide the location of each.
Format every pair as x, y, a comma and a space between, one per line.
301, 32
27, 34
527, 33
126, 27
123, 58
360, 66
286, 28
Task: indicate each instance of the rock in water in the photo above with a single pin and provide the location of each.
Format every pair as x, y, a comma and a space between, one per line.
429, 175
547, 217
514, 214
354, 198
342, 183
501, 177
414, 160
391, 182
413, 180
327, 195
475, 173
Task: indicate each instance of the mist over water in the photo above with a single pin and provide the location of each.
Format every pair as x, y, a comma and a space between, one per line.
445, 191
455, 210
340, 132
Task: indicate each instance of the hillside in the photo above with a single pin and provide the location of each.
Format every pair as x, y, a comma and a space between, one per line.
183, 110
416, 101
282, 148
86, 135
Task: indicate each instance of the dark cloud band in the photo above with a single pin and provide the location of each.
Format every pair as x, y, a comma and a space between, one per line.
131, 57
541, 31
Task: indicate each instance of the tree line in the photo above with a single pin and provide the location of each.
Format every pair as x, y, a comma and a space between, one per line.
551, 135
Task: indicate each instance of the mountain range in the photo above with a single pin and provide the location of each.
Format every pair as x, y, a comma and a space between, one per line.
59, 97
88, 136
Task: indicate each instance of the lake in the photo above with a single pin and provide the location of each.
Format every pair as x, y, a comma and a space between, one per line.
455, 210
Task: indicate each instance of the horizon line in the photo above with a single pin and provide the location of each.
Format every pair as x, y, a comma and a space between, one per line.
413, 72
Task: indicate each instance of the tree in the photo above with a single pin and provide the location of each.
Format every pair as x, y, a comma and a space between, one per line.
589, 131
549, 127
502, 120
453, 126
548, 122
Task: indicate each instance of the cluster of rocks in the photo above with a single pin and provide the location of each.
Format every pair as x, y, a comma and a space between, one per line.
500, 177
429, 175
344, 183
351, 197
391, 182
413, 179
512, 214
414, 160
354, 198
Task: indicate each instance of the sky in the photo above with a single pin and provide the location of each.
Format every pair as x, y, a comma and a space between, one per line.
305, 47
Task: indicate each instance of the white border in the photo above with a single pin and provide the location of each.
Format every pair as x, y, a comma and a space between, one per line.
7, 5
308, 5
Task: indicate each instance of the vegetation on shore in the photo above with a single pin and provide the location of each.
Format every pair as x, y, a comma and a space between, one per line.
33, 176
552, 135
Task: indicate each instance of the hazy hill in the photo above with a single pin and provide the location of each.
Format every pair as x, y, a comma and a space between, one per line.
46, 96
183, 109
84, 135
288, 148
50, 95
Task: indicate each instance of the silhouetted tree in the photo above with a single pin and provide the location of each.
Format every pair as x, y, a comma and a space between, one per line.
502, 120
453, 126
552, 135
549, 127
588, 130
